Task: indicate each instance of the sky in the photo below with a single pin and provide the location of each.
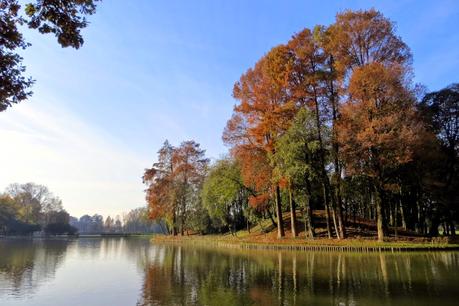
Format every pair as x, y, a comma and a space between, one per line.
156, 70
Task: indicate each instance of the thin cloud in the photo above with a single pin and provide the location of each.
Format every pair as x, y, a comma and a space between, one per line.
88, 168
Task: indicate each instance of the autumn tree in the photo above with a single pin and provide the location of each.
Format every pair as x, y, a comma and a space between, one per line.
63, 18
379, 129
161, 189
327, 58
190, 166
263, 114
174, 182
362, 37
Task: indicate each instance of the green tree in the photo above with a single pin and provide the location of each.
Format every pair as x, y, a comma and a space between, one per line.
298, 161
224, 194
440, 111
8, 211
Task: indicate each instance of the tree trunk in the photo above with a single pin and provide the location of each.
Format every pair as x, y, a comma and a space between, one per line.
445, 229
452, 228
324, 177
292, 213
433, 230
335, 147
165, 231
339, 211
327, 213
174, 228
182, 218
420, 219
307, 215
402, 215
396, 220
390, 212
379, 215
280, 223
274, 223
330, 200
335, 224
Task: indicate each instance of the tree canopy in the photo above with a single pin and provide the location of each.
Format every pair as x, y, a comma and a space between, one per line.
63, 18
329, 126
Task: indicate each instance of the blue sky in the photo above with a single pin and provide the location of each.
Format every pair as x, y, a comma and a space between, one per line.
151, 70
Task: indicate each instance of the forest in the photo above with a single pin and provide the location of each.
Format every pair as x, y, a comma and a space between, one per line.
330, 130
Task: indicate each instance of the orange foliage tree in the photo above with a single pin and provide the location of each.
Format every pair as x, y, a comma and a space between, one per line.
310, 88
160, 192
379, 128
174, 182
263, 114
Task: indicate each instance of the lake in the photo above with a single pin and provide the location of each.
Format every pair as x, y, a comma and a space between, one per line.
132, 271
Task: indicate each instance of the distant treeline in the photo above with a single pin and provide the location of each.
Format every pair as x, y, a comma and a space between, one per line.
135, 221
328, 121
28, 208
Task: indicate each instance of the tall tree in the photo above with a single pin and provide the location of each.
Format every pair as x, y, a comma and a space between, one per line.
224, 194
263, 114
298, 161
309, 89
174, 182
378, 129
190, 166
362, 37
440, 110
161, 190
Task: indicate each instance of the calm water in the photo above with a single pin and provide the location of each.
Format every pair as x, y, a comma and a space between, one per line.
119, 271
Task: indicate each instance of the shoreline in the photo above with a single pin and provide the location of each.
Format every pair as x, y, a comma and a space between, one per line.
78, 236
298, 244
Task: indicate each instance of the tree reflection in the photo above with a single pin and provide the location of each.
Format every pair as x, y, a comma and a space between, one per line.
188, 275
191, 275
26, 264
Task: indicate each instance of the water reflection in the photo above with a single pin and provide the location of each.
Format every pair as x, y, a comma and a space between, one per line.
25, 264
132, 271
185, 275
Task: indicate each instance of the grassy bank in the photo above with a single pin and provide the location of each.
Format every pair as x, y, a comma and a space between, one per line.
351, 245
261, 238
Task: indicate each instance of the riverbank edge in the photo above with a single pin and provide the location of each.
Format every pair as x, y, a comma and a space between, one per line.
72, 237
347, 245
